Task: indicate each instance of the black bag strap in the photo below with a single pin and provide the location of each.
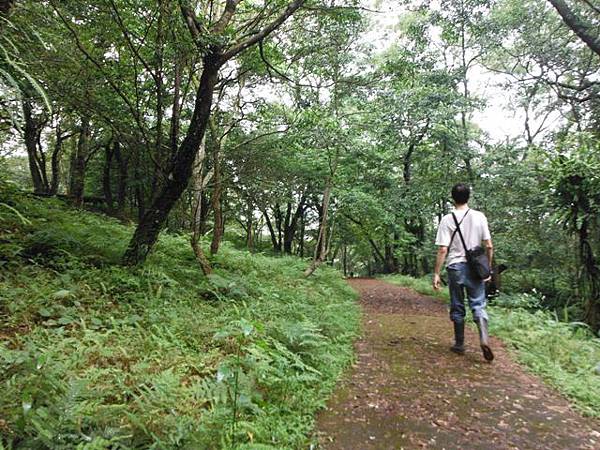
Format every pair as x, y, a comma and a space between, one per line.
458, 229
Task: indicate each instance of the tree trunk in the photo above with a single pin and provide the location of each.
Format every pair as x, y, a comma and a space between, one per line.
288, 231
153, 221
55, 160
319, 243
249, 225
204, 212
334, 255
41, 158
278, 225
592, 275
466, 95
176, 110
5, 6
106, 178
585, 31
291, 224
321, 247
200, 182
79, 162
31, 133
123, 164
390, 263
138, 177
302, 234
146, 234
216, 198
276, 243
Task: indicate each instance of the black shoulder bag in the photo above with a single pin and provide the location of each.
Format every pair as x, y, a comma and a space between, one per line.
476, 258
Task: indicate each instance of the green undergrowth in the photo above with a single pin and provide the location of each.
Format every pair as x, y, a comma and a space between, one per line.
420, 285
94, 355
566, 355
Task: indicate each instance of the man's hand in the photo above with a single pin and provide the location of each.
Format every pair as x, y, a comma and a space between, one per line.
439, 261
437, 282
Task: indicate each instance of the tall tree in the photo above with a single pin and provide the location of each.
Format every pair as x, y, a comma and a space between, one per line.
219, 42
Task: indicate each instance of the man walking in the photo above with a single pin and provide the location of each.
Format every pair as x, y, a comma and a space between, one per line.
474, 227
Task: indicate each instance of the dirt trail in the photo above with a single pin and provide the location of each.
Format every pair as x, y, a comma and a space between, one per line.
407, 390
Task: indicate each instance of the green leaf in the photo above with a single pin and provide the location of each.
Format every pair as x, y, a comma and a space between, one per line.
221, 335
247, 328
224, 373
44, 312
65, 320
63, 293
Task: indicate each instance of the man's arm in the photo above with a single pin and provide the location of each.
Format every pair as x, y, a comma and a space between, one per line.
439, 261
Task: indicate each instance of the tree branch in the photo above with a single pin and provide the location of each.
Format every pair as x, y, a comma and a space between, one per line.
225, 18
577, 25
113, 85
268, 29
196, 29
130, 42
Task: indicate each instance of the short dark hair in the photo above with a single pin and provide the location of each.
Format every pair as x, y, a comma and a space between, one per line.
461, 193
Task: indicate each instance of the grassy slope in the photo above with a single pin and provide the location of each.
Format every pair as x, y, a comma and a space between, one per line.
565, 355
93, 354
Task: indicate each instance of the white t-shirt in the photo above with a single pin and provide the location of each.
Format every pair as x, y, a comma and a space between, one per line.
474, 229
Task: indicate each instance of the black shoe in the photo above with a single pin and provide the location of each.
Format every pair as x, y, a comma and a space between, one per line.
484, 339
459, 338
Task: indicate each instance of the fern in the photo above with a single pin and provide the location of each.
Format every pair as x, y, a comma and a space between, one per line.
113, 357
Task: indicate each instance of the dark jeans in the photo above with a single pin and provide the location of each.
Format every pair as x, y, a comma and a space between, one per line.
459, 280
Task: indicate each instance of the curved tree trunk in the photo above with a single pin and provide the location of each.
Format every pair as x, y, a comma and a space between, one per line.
146, 234
585, 31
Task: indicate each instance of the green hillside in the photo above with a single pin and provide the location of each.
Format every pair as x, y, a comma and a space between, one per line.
93, 354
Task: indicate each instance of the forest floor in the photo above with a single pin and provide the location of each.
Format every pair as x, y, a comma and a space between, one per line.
407, 390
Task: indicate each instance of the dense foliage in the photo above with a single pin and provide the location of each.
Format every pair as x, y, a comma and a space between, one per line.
95, 355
